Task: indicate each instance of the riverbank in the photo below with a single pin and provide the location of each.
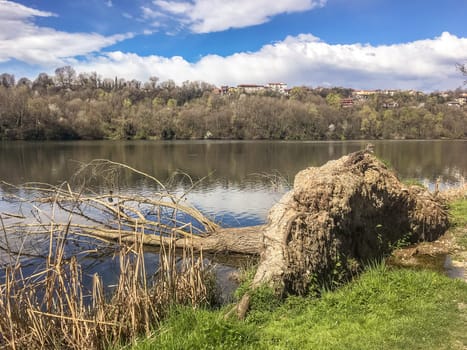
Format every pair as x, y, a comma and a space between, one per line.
387, 307
447, 255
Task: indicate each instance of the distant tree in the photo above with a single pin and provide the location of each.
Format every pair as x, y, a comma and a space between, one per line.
463, 69
7, 80
299, 93
168, 85
24, 82
90, 107
43, 82
108, 84
370, 124
152, 83
88, 80
65, 76
333, 100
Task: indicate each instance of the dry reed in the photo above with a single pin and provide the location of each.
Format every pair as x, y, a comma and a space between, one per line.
51, 308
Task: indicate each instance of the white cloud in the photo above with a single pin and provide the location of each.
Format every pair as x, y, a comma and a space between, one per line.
12, 10
149, 13
204, 16
24, 41
304, 59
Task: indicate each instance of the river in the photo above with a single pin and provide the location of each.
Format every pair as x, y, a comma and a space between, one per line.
239, 180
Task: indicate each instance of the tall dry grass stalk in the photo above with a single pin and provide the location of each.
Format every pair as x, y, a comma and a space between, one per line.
457, 192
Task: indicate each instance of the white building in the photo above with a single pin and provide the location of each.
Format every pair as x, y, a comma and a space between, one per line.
278, 87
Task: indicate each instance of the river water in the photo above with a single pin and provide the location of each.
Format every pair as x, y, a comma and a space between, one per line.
241, 180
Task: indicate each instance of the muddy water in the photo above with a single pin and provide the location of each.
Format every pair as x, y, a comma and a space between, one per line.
455, 269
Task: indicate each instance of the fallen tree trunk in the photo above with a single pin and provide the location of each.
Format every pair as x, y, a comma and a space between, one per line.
238, 240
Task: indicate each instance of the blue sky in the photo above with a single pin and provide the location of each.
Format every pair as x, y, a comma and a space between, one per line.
411, 44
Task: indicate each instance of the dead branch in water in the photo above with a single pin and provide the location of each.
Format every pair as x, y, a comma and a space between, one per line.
155, 218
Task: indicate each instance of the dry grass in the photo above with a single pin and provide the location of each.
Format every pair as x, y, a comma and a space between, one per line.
52, 309
455, 193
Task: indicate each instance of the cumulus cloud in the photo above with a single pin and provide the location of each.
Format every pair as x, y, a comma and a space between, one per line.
305, 60
23, 40
204, 16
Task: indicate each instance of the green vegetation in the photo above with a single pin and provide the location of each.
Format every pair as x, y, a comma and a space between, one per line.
87, 106
382, 309
458, 211
201, 329
413, 182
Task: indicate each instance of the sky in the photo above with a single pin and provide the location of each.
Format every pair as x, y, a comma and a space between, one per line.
360, 44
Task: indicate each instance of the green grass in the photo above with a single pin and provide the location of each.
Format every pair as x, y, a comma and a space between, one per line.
200, 329
413, 182
458, 212
382, 309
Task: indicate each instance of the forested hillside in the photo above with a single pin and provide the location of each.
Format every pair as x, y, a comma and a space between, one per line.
86, 106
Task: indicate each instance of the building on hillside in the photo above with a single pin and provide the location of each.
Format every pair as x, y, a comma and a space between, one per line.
363, 94
391, 92
251, 88
278, 87
453, 104
416, 93
347, 102
390, 104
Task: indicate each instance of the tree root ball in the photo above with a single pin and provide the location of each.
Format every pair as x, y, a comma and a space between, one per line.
340, 216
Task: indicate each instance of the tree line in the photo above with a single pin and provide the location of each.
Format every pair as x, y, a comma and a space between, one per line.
86, 106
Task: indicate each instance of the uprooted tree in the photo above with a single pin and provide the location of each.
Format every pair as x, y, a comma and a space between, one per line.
337, 217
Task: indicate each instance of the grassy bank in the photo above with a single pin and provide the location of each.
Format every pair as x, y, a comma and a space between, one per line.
384, 308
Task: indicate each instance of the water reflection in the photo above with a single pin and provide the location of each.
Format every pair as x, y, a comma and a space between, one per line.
242, 180
235, 189
227, 162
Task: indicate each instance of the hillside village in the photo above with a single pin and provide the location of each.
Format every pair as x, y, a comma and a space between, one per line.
350, 97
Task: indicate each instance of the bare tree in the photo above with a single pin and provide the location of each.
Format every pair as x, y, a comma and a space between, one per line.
24, 82
7, 80
65, 76
42, 82
463, 69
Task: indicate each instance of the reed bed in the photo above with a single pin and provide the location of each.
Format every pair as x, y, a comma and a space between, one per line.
52, 308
